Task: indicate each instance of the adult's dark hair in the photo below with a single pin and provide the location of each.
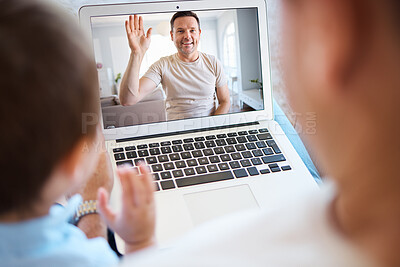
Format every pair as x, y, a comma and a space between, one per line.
47, 82
184, 14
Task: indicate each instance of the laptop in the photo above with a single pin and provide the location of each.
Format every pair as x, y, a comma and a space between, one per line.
203, 166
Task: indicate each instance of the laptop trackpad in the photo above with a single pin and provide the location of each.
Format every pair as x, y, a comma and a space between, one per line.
207, 205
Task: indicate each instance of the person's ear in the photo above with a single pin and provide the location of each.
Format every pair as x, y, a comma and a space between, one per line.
333, 40
172, 35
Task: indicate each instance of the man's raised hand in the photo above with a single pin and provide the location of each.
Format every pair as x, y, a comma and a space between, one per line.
138, 41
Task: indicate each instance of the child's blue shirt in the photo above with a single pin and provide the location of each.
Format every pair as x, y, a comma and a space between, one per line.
52, 241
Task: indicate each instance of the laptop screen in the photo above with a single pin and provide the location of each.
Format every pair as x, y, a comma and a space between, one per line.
225, 78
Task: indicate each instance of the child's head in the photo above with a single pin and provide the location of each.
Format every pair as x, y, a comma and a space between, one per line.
48, 83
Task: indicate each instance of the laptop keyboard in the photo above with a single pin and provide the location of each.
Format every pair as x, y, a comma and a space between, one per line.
206, 159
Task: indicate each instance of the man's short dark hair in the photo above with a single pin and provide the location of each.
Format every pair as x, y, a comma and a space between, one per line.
47, 82
184, 14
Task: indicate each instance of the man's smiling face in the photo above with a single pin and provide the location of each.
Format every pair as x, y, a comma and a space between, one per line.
186, 35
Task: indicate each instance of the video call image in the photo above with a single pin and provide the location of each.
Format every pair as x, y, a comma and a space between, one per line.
194, 69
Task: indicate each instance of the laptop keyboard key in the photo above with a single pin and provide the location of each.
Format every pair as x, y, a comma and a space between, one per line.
199, 145
234, 164
231, 141
210, 143
197, 153
180, 164
264, 130
127, 162
264, 136
177, 173
169, 166
274, 146
167, 184
151, 160
138, 161
157, 168
166, 143
241, 139
273, 158
261, 144
203, 161
206, 178
268, 151
240, 173
174, 157
163, 158
152, 145
247, 154
198, 139
154, 151
223, 166
177, 148
141, 146
118, 149
253, 171
188, 140
256, 161
219, 150
212, 168
264, 171
236, 156
273, 165
211, 137
230, 149
208, 152
189, 171
225, 157
214, 159
275, 169
119, 156
245, 163
191, 162
165, 175
186, 155
243, 133
240, 147
129, 148
131, 154
188, 147
220, 142
166, 150
143, 153
257, 153
219, 136
253, 131
251, 146
251, 138
232, 134
201, 169
177, 142
286, 168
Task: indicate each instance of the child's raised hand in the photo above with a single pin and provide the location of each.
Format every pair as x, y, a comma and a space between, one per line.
135, 222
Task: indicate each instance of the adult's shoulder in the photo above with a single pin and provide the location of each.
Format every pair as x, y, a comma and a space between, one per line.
167, 60
207, 56
210, 59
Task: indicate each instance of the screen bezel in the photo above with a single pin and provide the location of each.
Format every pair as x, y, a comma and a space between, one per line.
87, 12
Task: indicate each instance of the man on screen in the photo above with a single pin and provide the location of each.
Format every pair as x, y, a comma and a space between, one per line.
192, 80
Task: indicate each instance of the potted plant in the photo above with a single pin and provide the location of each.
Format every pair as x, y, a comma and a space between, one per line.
260, 86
